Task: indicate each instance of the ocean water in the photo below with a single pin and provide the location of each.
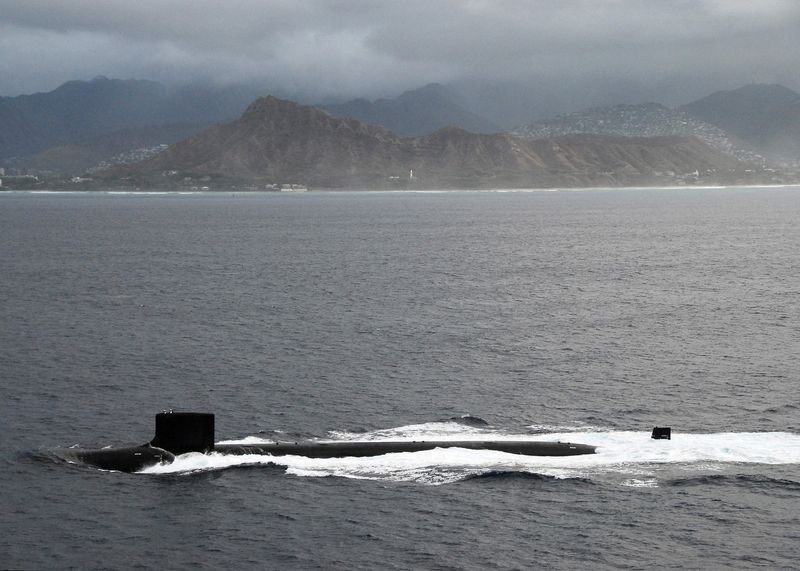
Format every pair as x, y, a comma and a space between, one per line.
584, 316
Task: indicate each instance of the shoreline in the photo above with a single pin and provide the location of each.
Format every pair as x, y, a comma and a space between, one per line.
153, 192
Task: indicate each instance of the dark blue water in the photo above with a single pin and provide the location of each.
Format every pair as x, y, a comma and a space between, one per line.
594, 315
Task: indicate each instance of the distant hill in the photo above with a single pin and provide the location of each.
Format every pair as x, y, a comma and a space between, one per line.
642, 120
416, 112
766, 117
78, 110
90, 152
277, 141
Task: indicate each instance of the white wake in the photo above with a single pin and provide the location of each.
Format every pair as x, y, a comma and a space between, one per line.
632, 456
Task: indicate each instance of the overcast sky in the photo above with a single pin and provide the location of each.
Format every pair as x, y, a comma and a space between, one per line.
373, 48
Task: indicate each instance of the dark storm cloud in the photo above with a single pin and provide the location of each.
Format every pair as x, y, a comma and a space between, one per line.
369, 47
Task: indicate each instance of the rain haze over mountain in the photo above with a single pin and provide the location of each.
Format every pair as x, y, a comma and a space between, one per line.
558, 56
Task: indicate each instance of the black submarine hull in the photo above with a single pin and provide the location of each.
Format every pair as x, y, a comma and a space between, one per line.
181, 432
378, 447
130, 459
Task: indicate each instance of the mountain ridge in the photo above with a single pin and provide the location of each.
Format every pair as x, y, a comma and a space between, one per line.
78, 110
764, 116
415, 112
277, 141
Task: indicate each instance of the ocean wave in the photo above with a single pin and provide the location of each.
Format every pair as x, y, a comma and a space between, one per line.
759, 481
501, 475
456, 428
468, 420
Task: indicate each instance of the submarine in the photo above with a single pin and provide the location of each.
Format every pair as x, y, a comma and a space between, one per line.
179, 433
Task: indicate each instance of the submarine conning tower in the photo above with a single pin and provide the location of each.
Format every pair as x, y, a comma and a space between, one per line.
182, 432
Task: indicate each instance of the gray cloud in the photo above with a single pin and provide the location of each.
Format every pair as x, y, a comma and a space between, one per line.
364, 47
